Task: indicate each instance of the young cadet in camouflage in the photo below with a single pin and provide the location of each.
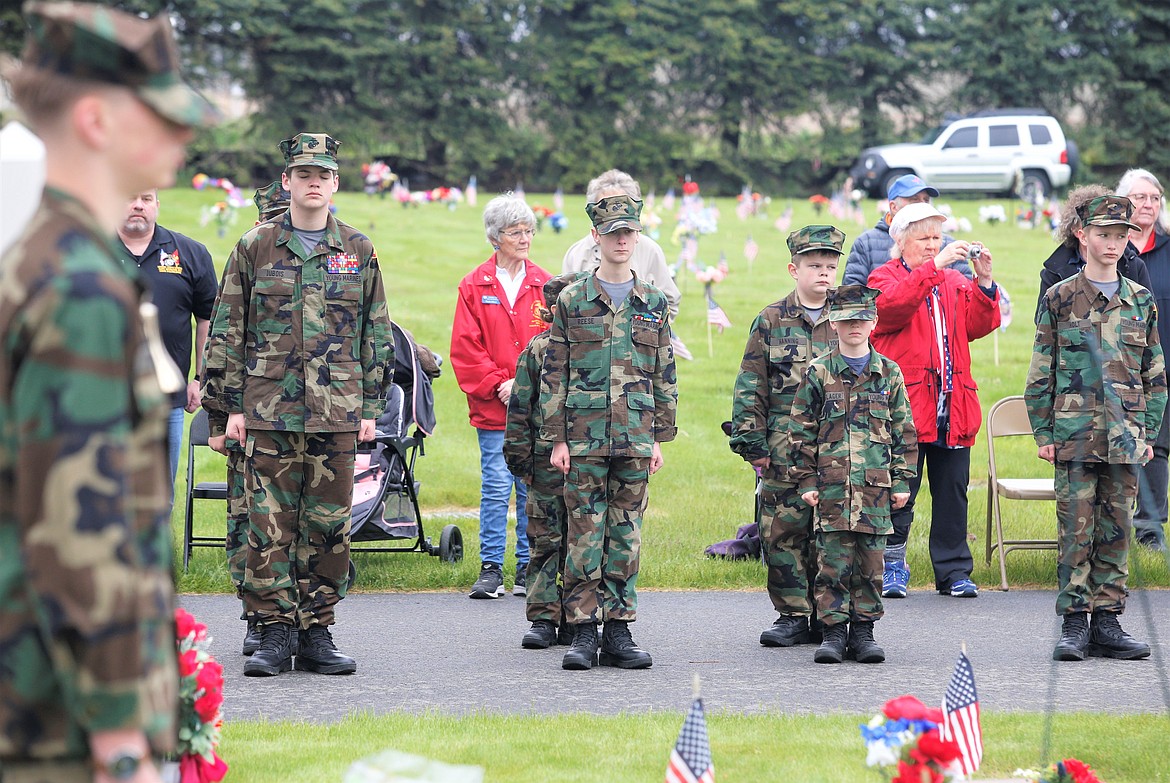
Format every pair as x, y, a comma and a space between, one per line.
784, 338
88, 681
298, 359
271, 200
528, 458
1096, 394
854, 451
609, 372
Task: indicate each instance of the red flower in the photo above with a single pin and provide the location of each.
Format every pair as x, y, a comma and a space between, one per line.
188, 662
185, 624
210, 676
207, 706
911, 708
916, 773
1080, 771
690, 188
932, 747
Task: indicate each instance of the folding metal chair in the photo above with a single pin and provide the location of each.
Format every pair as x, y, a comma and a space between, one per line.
197, 436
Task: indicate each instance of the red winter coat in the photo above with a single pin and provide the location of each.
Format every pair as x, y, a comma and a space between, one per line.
487, 337
905, 333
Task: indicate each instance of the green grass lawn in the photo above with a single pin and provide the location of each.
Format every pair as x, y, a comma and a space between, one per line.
704, 491
797, 748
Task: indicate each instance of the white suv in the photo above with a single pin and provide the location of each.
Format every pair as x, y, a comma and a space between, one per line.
1020, 151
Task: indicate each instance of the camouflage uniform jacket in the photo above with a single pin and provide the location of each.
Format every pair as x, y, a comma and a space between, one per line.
523, 447
1097, 387
300, 341
853, 440
86, 598
782, 342
609, 372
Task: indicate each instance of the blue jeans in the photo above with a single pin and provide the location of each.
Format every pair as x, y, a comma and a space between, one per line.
496, 484
175, 441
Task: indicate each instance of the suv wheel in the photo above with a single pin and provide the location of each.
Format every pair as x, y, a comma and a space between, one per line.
1034, 186
891, 175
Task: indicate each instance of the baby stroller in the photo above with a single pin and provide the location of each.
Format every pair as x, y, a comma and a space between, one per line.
385, 493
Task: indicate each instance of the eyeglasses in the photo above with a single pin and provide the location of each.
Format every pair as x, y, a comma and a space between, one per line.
1141, 198
520, 232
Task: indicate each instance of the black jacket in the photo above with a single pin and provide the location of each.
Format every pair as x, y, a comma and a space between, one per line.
1066, 262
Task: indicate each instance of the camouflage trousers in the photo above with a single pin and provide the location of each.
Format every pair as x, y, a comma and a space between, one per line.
546, 543
848, 586
786, 538
301, 490
1093, 505
604, 501
237, 516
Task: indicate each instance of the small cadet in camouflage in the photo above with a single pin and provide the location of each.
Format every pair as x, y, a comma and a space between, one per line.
87, 644
527, 457
784, 338
1096, 394
854, 452
300, 350
271, 200
610, 377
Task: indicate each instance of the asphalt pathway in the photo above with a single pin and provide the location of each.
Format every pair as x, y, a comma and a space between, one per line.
443, 651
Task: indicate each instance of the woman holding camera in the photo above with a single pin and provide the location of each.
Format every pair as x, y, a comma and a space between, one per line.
927, 315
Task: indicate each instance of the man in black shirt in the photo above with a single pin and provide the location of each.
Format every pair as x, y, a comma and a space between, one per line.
181, 278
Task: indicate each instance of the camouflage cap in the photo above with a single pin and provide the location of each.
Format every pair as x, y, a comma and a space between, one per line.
853, 303
310, 149
1108, 210
271, 199
614, 212
827, 238
554, 285
90, 42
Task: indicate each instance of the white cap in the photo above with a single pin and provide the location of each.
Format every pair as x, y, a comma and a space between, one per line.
912, 213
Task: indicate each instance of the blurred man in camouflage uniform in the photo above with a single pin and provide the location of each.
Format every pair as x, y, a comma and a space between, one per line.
854, 451
271, 201
1096, 393
88, 682
609, 369
784, 338
528, 460
298, 360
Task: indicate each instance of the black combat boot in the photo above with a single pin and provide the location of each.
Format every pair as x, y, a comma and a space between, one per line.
275, 653
541, 636
618, 648
583, 652
832, 649
861, 646
1074, 638
788, 630
565, 633
1107, 640
319, 654
251, 638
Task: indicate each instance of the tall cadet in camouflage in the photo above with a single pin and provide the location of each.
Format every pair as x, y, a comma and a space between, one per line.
298, 360
784, 338
528, 459
88, 682
611, 401
271, 201
854, 451
1096, 394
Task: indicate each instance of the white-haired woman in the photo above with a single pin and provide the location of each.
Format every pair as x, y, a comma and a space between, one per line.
927, 315
1152, 243
497, 313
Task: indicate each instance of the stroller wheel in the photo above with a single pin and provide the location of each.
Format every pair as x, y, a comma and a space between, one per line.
451, 544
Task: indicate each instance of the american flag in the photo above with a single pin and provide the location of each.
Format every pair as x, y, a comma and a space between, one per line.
751, 249
690, 761
785, 220
715, 314
961, 715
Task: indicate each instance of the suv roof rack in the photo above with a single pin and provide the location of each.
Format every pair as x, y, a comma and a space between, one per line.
1010, 112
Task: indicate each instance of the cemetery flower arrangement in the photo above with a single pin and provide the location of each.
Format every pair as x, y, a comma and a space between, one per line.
1066, 771
904, 740
200, 699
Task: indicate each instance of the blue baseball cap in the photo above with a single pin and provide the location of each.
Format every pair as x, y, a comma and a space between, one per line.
909, 185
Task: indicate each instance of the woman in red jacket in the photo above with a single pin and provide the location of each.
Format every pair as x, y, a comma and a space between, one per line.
497, 313
927, 314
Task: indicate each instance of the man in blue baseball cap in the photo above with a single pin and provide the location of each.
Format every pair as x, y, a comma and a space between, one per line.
872, 248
